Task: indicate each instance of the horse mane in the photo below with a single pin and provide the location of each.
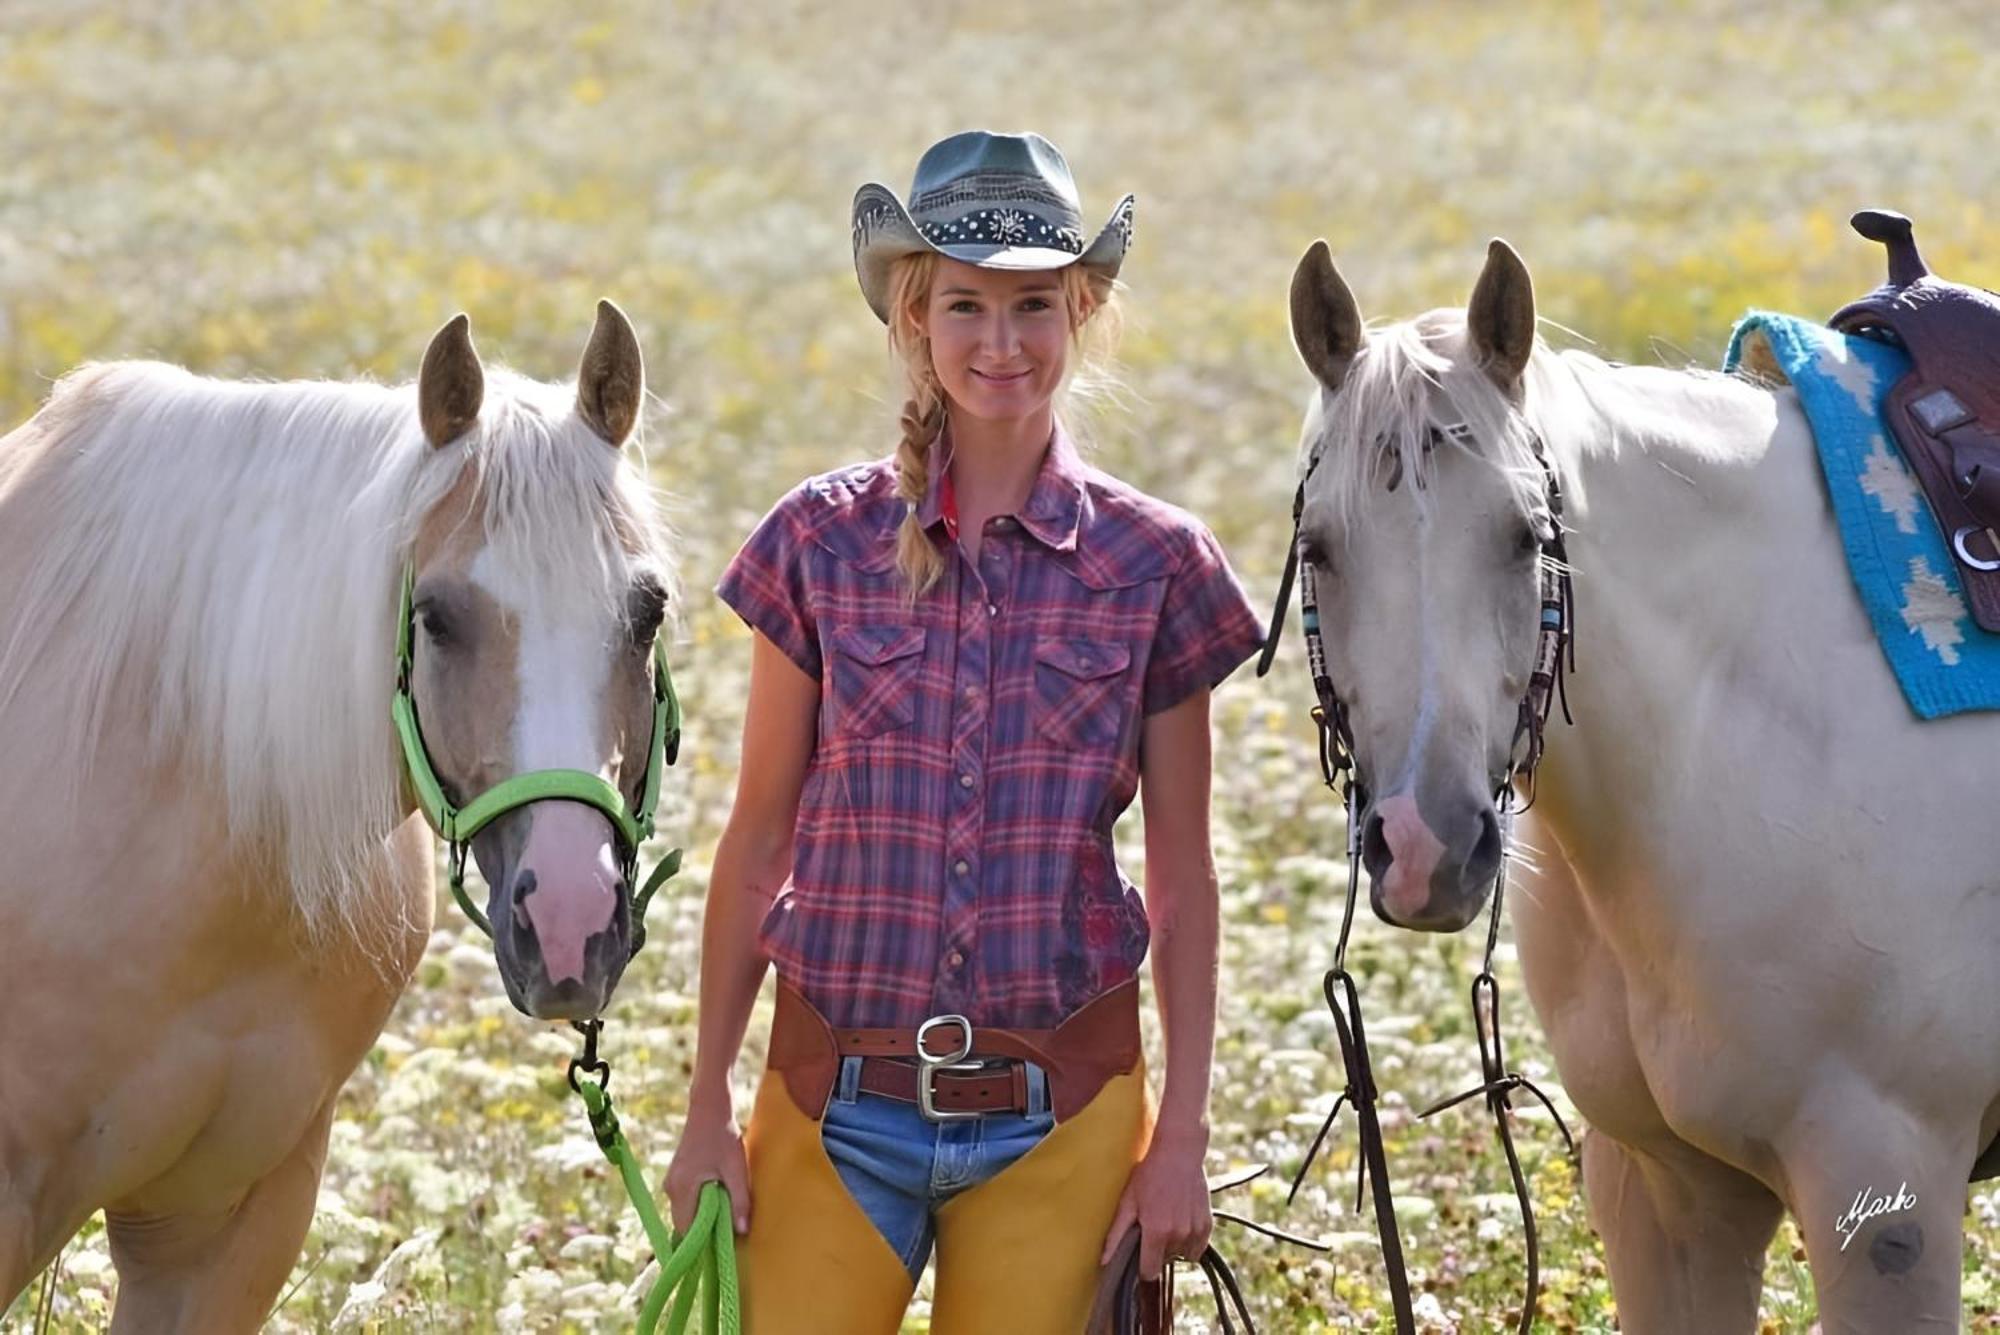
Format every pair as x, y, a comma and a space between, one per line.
223, 558
1409, 390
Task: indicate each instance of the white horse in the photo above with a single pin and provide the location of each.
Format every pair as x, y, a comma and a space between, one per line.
1764, 937
213, 887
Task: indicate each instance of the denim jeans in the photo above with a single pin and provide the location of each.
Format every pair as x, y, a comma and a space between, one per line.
899, 1166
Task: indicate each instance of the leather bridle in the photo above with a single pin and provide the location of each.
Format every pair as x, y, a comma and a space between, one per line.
1555, 656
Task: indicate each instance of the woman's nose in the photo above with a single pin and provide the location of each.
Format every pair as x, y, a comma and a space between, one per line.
1002, 339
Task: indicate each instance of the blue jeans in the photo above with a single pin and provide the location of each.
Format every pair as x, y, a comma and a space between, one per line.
899, 1166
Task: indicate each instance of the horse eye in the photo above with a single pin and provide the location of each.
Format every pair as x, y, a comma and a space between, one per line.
645, 609
436, 627
1312, 552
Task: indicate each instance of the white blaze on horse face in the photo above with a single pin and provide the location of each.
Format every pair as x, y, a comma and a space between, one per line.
563, 668
1425, 615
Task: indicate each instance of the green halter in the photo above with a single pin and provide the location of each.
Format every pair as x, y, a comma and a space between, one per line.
457, 825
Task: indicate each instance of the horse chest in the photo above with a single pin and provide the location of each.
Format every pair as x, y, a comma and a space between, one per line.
1639, 1061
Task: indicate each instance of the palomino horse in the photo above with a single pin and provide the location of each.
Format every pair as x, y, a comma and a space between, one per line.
214, 886
1763, 932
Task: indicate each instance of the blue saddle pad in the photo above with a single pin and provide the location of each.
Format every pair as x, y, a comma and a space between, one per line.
1901, 568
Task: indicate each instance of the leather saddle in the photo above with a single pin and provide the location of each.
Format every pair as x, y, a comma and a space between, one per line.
1945, 413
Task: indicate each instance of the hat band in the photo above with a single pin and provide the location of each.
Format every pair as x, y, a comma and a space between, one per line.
1004, 227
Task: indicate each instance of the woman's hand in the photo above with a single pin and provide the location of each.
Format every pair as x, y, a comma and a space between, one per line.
1167, 1197
711, 1150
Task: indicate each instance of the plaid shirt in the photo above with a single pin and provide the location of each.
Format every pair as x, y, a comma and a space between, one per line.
953, 850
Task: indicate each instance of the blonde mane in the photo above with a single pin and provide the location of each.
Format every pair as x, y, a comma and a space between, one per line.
222, 559
1412, 387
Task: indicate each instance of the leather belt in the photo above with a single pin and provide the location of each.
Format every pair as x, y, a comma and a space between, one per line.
1099, 1040
1000, 1087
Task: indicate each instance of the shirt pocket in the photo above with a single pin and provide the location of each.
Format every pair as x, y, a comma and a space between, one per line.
873, 677
1080, 695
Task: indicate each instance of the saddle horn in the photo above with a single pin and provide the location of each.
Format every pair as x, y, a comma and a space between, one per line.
1895, 231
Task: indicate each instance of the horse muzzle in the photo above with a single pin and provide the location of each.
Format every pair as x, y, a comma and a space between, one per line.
561, 909
1430, 873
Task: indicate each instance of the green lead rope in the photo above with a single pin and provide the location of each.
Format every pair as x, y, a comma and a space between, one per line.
701, 1264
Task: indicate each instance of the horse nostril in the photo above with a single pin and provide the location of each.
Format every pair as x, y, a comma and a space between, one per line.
1375, 852
524, 926
1486, 850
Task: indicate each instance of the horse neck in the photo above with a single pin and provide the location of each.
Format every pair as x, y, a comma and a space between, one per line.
1687, 509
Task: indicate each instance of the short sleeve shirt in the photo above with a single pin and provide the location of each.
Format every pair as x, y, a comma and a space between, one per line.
953, 851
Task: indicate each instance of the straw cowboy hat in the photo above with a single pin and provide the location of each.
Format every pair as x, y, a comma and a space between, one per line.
998, 201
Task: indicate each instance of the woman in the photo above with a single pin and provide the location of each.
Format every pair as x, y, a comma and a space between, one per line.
968, 657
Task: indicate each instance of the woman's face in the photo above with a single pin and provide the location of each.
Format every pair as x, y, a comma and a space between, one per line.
999, 339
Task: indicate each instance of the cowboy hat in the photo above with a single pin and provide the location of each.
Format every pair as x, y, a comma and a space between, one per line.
998, 201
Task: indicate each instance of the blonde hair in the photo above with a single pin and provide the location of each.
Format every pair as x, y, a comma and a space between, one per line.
1090, 298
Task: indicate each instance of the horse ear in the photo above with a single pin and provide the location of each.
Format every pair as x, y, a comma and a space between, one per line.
1326, 324
611, 379
1501, 316
451, 385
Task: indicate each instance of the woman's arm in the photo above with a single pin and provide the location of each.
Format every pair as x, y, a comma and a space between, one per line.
1168, 1193
751, 863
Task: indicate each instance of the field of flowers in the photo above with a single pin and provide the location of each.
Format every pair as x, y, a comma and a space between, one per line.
308, 188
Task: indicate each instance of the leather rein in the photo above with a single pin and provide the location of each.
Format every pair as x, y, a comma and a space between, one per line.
1555, 656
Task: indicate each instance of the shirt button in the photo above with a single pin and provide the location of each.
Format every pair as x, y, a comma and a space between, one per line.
956, 960
965, 781
1004, 521
961, 866
972, 693
993, 609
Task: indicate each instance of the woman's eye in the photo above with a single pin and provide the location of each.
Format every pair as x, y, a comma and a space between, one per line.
964, 308
1035, 304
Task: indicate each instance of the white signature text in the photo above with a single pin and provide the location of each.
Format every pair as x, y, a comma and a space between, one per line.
1867, 1205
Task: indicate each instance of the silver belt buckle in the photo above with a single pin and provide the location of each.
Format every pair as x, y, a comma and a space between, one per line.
928, 1066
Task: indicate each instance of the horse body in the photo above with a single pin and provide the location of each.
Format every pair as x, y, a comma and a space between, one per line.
1782, 881
175, 1062
1761, 912
215, 889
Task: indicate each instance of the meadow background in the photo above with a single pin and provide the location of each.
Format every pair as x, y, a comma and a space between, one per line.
304, 188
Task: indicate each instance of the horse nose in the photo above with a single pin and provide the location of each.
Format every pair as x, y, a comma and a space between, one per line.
1482, 864
1401, 852
550, 932
1376, 855
520, 925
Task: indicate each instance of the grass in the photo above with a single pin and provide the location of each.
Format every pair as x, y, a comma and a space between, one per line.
304, 188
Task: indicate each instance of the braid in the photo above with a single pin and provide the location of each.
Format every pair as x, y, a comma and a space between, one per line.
923, 418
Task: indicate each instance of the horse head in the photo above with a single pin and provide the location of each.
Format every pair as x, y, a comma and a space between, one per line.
534, 596
1425, 520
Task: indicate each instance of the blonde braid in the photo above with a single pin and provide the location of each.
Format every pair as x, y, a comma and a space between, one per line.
917, 557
